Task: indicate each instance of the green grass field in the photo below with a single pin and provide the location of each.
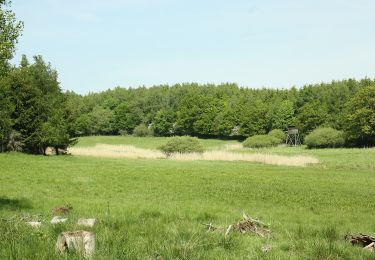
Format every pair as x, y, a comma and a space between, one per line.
151, 208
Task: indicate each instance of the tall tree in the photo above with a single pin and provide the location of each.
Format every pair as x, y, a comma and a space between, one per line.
55, 132
39, 106
6, 108
361, 117
10, 30
163, 122
283, 115
311, 115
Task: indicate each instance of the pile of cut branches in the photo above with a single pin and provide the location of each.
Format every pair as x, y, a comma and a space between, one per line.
366, 241
245, 225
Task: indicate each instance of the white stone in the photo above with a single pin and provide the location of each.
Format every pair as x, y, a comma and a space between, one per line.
80, 241
87, 222
35, 224
57, 220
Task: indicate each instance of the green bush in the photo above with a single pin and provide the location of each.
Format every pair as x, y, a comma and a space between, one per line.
325, 138
279, 134
123, 132
141, 130
182, 144
259, 141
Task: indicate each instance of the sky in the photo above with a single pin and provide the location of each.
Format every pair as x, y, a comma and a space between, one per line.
100, 44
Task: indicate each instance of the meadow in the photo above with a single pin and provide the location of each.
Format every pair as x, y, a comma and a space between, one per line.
155, 208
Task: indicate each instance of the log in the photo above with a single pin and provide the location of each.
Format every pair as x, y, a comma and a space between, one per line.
361, 239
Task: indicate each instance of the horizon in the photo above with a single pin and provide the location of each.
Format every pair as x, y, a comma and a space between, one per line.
253, 44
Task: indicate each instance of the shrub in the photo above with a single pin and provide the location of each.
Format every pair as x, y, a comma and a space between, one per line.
259, 141
324, 138
279, 134
123, 132
141, 130
182, 144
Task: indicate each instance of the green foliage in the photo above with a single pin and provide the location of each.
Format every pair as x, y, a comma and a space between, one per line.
361, 117
10, 30
279, 134
311, 115
163, 122
39, 106
101, 121
256, 119
325, 138
260, 141
141, 130
6, 110
14, 141
127, 117
83, 125
55, 132
224, 110
283, 115
182, 144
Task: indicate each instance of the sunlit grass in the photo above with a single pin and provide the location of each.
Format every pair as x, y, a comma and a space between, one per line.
151, 208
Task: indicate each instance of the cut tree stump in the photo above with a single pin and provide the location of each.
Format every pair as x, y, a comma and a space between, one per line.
79, 241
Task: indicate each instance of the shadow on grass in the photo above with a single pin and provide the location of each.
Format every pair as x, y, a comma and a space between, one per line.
14, 204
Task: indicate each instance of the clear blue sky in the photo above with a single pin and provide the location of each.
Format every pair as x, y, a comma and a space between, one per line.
101, 44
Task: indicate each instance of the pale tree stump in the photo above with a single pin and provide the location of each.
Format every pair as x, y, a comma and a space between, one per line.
79, 241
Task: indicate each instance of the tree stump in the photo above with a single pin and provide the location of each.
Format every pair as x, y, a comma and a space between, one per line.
79, 241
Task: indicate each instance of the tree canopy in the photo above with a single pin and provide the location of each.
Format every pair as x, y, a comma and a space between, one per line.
225, 110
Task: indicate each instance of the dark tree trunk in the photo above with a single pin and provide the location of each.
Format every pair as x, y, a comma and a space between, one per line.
57, 150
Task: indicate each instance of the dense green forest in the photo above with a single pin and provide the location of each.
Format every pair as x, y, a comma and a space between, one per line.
226, 110
35, 113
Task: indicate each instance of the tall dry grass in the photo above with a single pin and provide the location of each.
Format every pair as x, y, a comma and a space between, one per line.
224, 154
256, 157
117, 151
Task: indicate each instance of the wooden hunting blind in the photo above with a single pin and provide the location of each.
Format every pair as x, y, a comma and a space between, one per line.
292, 137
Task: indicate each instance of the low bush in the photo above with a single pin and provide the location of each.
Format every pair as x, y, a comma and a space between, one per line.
141, 130
182, 144
259, 141
279, 134
123, 132
325, 138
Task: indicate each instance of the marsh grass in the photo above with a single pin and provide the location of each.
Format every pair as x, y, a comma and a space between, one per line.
219, 154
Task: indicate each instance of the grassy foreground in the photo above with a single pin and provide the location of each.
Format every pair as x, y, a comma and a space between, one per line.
151, 208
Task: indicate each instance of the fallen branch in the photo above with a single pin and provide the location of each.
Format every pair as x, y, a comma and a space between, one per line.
246, 225
366, 241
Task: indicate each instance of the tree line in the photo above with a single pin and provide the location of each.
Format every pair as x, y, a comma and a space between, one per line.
227, 110
36, 114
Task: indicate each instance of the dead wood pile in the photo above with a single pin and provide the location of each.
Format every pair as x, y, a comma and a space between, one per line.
245, 225
366, 241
